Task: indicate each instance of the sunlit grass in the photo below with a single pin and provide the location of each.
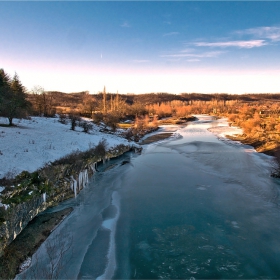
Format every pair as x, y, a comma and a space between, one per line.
125, 125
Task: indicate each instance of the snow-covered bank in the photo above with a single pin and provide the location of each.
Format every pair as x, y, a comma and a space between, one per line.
28, 147
222, 130
32, 143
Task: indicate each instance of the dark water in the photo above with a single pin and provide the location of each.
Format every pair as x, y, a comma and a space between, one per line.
190, 207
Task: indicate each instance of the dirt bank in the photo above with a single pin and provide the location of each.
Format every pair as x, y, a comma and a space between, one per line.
28, 241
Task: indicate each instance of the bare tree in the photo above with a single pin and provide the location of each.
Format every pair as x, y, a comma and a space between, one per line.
43, 101
74, 120
104, 101
89, 105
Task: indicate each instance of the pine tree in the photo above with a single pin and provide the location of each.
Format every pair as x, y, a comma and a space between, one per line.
13, 103
4, 86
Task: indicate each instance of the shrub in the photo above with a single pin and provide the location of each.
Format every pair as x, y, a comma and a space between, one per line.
97, 117
86, 126
101, 148
27, 185
68, 159
63, 118
112, 121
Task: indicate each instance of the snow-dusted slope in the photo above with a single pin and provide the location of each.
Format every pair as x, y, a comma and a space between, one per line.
32, 143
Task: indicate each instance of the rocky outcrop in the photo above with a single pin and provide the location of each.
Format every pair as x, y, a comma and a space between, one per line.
63, 181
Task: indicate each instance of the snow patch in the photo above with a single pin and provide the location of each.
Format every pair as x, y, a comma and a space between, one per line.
25, 265
33, 143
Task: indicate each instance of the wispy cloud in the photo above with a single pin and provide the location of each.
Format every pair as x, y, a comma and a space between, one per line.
140, 61
239, 44
267, 32
170, 34
183, 54
193, 60
125, 24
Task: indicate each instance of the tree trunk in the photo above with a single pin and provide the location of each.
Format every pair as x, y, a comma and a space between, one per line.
10, 121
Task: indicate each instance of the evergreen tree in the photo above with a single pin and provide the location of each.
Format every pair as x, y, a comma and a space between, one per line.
4, 86
13, 103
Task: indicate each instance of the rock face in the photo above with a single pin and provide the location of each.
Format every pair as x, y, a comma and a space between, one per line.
65, 181
17, 219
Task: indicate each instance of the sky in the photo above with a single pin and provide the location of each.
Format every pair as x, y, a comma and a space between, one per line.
144, 46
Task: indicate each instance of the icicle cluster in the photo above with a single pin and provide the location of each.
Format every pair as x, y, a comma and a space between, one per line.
93, 167
82, 181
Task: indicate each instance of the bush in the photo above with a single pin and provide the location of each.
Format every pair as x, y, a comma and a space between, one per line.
101, 148
99, 151
112, 121
128, 134
68, 159
97, 117
27, 185
63, 118
86, 126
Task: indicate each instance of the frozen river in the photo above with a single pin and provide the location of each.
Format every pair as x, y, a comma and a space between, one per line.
193, 206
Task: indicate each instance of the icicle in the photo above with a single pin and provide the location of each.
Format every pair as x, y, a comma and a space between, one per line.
44, 197
80, 185
71, 185
86, 177
75, 187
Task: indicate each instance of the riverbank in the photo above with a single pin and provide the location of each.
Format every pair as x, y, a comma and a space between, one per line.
260, 144
28, 241
263, 141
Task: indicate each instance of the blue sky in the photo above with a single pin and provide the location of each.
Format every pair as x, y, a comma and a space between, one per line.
138, 47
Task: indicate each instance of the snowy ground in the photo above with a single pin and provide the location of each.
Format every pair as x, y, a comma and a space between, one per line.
32, 143
222, 128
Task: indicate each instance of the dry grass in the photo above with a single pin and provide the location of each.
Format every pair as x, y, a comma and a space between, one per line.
124, 125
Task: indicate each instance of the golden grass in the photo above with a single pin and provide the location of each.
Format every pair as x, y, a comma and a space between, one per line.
125, 125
